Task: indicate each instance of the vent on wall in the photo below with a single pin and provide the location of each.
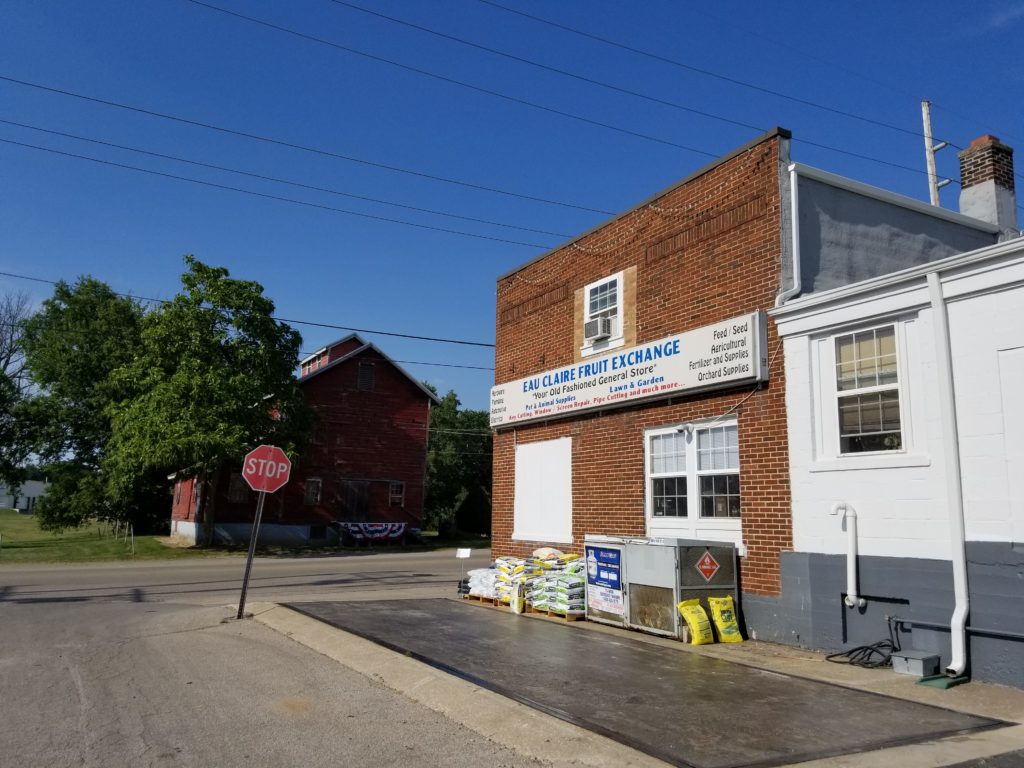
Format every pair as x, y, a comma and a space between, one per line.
365, 382
597, 329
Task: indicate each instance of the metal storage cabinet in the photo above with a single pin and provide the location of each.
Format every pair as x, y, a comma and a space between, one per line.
606, 575
663, 572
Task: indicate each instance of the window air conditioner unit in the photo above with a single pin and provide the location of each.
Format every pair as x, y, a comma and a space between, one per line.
598, 329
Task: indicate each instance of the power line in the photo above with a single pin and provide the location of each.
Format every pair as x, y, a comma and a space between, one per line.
700, 70
277, 180
445, 365
452, 81
546, 67
333, 326
552, 110
277, 198
300, 147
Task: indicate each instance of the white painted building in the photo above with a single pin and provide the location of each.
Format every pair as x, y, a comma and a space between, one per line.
28, 494
906, 434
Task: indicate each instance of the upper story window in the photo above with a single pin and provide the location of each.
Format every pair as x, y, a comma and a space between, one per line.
603, 301
867, 391
366, 378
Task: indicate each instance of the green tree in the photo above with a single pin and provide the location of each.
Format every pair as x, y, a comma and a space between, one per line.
458, 468
214, 378
71, 346
15, 309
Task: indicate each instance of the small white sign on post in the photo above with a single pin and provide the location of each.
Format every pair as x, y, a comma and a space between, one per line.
462, 554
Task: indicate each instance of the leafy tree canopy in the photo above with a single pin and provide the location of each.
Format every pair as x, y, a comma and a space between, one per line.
458, 467
215, 376
71, 347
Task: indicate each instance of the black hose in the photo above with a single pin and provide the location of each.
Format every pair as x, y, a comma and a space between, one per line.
875, 656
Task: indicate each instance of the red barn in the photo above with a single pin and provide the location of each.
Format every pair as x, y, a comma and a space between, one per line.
361, 475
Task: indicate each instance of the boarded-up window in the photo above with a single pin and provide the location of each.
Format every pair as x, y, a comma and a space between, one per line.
543, 491
354, 501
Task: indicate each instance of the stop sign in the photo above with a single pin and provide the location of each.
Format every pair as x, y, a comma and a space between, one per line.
266, 468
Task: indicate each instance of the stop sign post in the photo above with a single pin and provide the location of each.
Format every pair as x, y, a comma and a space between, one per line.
266, 469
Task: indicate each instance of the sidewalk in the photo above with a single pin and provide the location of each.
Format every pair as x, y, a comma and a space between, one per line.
647, 698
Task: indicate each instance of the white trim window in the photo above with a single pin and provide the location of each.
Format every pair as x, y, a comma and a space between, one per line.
693, 480
604, 299
396, 493
868, 391
311, 491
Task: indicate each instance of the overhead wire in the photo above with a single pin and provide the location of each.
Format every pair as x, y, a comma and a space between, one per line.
700, 70
297, 146
415, 337
452, 80
535, 105
263, 177
278, 198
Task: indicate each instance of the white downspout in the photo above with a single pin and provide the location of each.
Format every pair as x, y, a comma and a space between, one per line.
794, 209
853, 598
954, 487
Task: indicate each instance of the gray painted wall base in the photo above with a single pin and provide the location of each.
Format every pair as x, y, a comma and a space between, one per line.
238, 534
810, 612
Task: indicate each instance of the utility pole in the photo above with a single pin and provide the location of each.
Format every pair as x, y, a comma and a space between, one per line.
934, 185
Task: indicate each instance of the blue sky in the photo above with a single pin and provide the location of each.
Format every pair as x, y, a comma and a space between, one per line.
61, 217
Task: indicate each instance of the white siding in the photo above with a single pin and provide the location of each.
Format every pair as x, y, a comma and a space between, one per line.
900, 498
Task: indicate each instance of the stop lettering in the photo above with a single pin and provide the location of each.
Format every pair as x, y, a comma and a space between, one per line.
266, 469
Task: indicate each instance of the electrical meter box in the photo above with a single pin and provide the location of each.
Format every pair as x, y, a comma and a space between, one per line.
664, 572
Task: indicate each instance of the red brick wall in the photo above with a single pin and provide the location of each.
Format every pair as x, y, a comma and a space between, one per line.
705, 251
377, 436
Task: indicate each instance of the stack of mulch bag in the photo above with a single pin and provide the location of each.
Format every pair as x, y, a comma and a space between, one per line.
556, 583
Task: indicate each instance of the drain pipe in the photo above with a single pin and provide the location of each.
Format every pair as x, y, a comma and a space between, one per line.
794, 208
853, 598
954, 488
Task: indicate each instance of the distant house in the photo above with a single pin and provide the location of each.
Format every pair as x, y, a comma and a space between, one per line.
28, 493
362, 474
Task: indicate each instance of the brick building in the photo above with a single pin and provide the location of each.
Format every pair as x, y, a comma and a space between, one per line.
639, 380
366, 462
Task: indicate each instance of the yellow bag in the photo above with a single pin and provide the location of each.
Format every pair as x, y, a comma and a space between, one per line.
697, 621
725, 619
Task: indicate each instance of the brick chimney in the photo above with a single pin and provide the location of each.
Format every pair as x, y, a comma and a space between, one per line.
986, 182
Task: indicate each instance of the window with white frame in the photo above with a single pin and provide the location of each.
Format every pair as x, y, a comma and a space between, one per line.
396, 493
867, 391
693, 475
542, 507
311, 492
604, 299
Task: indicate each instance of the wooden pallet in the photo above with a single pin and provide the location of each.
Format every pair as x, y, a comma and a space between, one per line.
485, 600
554, 615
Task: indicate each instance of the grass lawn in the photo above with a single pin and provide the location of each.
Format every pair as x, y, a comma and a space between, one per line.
23, 542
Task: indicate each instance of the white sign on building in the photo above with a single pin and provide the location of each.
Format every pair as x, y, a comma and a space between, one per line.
725, 354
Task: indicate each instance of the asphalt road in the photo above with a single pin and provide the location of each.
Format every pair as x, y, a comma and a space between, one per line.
134, 665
